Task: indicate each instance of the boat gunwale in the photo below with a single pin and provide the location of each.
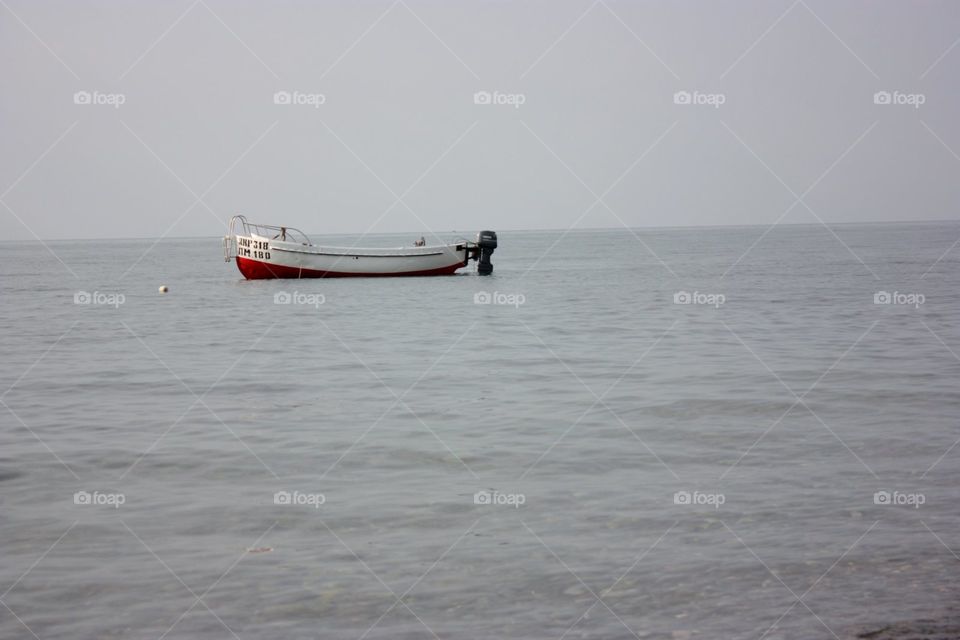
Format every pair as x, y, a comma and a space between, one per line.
360, 252
322, 252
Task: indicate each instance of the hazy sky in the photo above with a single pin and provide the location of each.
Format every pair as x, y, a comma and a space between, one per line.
787, 91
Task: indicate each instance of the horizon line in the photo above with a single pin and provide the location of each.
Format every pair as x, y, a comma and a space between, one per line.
550, 229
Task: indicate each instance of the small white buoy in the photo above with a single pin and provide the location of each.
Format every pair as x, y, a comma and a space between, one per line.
163, 288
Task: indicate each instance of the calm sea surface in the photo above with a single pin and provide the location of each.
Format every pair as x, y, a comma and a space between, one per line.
581, 457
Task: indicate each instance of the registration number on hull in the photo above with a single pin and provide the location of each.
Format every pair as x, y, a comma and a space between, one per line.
250, 248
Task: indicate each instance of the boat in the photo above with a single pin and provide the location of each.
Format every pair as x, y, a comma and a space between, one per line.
264, 251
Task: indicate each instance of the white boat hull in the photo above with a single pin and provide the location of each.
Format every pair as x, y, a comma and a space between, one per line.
259, 257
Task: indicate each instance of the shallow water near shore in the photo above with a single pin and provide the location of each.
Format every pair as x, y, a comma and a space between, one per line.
658, 433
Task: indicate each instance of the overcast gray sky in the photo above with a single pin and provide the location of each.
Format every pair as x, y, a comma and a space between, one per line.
788, 127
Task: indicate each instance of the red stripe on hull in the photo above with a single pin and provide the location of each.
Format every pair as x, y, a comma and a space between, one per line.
256, 270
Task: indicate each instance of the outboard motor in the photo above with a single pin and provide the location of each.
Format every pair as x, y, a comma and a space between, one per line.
486, 243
